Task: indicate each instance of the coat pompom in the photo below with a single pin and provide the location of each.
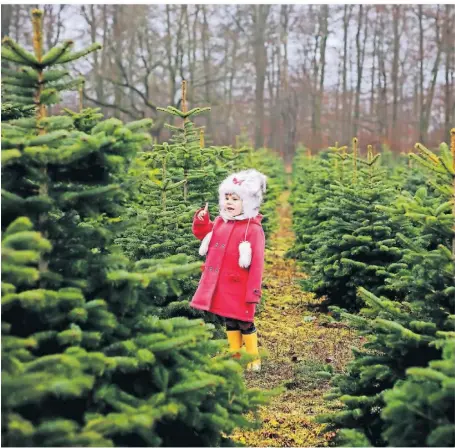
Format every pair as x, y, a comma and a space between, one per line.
245, 254
203, 249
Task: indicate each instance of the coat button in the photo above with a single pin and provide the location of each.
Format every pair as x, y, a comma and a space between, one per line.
216, 269
222, 245
210, 268
216, 244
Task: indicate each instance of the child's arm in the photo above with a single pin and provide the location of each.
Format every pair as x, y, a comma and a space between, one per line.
253, 290
201, 227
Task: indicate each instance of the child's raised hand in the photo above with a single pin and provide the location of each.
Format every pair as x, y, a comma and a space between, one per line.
202, 213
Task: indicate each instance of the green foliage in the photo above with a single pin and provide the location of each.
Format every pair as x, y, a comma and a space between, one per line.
57, 392
86, 359
344, 238
429, 421
174, 179
14, 111
398, 390
72, 185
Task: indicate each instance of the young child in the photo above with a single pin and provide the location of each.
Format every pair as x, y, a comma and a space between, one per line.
234, 243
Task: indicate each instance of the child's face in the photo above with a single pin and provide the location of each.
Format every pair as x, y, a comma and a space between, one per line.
233, 204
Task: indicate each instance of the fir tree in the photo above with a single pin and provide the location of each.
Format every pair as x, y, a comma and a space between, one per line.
68, 180
176, 178
86, 361
310, 182
134, 393
346, 241
409, 342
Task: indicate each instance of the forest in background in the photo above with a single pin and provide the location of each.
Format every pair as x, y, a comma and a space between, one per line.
283, 75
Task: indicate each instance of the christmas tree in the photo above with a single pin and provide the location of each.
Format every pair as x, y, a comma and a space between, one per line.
311, 178
409, 349
135, 392
86, 363
346, 240
175, 179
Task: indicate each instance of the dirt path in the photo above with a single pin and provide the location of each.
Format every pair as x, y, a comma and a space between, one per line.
298, 343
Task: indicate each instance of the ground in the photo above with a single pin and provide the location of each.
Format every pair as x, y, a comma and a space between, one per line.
295, 343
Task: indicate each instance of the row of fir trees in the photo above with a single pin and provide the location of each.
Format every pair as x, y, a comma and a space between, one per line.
99, 346
376, 237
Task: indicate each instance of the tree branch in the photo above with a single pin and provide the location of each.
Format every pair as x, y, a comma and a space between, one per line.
111, 106
134, 89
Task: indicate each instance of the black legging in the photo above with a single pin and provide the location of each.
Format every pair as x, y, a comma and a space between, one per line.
244, 327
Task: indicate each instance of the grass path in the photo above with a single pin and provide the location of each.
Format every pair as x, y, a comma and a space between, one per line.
298, 343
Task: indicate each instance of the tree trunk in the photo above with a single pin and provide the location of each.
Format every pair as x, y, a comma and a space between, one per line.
172, 60
17, 17
434, 72
7, 14
117, 31
260, 14
345, 124
207, 69
449, 53
373, 70
360, 61
421, 78
91, 19
396, 12
274, 84
233, 73
314, 85
289, 100
382, 84
323, 31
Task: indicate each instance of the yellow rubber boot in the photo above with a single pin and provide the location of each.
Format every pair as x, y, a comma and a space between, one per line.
251, 345
234, 338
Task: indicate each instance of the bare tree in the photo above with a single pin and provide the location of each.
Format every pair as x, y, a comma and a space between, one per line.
427, 100
7, 15
271, 71
373, 69
89, 13
382, 79
346, 112
289, 98
363, 16
206, 57
396, 15
324, 32
53, 24
449, 107
259, 15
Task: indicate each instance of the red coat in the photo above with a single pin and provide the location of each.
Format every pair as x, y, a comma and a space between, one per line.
225, 288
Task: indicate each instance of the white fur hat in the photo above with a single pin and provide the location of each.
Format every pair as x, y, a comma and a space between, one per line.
249, 185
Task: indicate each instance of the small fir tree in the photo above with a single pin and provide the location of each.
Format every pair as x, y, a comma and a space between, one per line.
350, 243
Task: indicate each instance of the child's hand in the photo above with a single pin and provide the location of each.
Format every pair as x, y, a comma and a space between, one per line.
202, 213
